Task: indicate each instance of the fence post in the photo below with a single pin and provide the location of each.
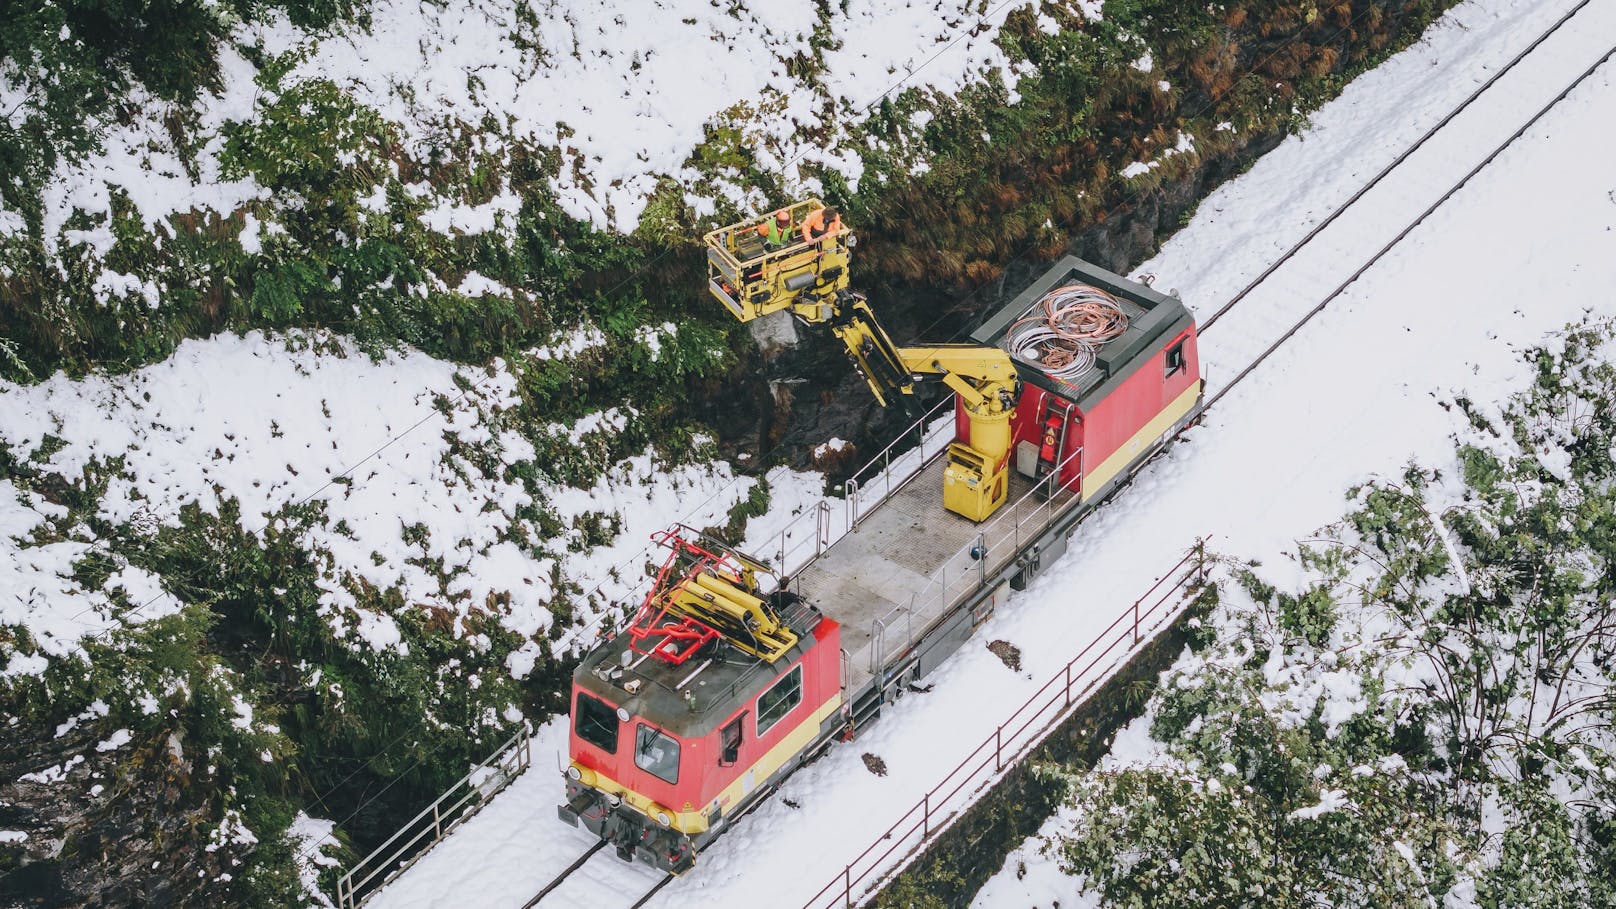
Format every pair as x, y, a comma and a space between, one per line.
998, 747
1136, 622
1068, 684
925, 819
847, 885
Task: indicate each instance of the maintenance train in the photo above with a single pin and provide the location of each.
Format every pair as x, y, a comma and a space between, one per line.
729, 677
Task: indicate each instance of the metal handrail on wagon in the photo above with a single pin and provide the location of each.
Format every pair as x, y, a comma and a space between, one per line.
894, 473
979, 558
1016, 737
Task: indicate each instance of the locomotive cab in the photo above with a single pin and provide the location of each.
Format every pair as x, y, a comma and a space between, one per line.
680, 724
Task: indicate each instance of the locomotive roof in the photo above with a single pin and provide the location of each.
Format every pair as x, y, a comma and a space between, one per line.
721, 678
1153, 319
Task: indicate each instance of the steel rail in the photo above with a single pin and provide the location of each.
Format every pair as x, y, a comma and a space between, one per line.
655, 889
561, 878
1411, 226
1397, 162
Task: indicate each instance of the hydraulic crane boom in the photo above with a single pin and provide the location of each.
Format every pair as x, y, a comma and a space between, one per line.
810, 280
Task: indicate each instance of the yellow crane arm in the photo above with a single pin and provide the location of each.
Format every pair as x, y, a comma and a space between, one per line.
810, 279
976, 479
983, 376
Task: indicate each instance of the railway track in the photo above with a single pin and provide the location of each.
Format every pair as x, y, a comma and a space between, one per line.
561, 878
558, 880
1409, 179
1430, 170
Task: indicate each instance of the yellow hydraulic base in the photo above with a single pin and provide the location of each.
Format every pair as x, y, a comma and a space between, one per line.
973, 486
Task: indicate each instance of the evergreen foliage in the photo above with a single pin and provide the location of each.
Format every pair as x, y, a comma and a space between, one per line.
1427, 720
279, 702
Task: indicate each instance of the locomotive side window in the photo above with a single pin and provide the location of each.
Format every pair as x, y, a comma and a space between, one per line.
1175, 357
729, 742
596, 723
656, 752
778, 701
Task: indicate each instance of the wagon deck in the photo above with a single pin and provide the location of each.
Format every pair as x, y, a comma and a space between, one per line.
909, 562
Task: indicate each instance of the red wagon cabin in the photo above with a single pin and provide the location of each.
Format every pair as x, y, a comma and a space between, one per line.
1091, 414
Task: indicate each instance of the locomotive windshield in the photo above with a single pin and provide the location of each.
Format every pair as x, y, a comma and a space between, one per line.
657, 753
596, 723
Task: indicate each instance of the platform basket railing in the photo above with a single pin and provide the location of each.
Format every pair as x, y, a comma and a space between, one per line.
454, 807
1016, 737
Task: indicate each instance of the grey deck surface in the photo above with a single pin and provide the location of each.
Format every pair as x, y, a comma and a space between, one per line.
894, 553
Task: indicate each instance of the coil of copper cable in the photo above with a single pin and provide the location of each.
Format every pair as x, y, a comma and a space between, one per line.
1063, 331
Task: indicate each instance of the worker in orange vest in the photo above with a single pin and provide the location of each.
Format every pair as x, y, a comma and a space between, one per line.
821, 222
776, 234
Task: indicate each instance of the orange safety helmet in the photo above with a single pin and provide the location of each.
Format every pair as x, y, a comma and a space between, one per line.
783, 216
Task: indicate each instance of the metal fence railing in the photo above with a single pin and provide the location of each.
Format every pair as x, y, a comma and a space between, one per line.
1014, 738
453, 808
802, 541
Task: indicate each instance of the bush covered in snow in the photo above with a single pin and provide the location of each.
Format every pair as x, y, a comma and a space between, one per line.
1420, 713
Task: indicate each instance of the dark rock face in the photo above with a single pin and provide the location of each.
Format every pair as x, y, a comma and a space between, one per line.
129, 826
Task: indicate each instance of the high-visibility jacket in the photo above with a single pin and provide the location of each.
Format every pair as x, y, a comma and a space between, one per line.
814, 226
775, 233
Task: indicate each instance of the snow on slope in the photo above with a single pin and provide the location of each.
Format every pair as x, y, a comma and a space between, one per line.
625, 90
270, 422
628, 88
1354, 394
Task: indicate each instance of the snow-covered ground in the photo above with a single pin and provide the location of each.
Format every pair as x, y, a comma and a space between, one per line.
270, 422
628, 89
624, 91
1527, 247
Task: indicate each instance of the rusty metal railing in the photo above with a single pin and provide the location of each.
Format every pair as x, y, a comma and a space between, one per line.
1013, 739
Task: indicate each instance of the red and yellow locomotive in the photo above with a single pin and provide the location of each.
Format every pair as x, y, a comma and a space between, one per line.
710, 696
